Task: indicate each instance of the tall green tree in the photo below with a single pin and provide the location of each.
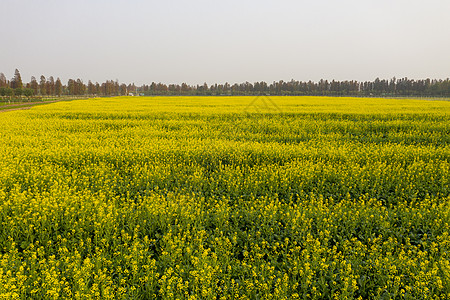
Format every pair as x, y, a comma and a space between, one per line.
3, 80
43, 86
16, 82
90, 88
71, 86
58, 87
51, 86
34, 85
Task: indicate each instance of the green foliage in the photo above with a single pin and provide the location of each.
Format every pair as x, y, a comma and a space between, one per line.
28, 92
18, 91
6, 91
208, 198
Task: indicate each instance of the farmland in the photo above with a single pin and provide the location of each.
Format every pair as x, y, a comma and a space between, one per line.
226, 198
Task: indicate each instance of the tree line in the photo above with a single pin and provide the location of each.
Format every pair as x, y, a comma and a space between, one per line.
76, 87
55, 88
378, 87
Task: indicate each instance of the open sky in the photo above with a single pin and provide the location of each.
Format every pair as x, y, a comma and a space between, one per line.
198, 41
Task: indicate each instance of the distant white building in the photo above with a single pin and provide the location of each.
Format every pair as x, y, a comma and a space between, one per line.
130, 94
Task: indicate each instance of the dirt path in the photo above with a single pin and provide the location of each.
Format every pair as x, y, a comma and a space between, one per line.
25, 105
13, 109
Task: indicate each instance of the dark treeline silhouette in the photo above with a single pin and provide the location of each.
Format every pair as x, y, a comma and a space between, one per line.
76, 87
393, 87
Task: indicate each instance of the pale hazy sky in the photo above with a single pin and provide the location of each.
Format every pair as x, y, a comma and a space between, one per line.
217, 41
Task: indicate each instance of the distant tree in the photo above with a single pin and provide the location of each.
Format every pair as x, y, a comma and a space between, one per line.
152, 88
80, 87
51, 86
90, 88
43, 86
58, 87
16, 82
116, 88
34, 85
123, 89
71, 86
184, 88
3, 80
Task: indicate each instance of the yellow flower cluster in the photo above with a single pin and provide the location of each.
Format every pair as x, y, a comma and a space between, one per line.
213, 198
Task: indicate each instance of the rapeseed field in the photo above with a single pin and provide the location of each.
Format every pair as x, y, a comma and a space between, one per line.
226, 198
